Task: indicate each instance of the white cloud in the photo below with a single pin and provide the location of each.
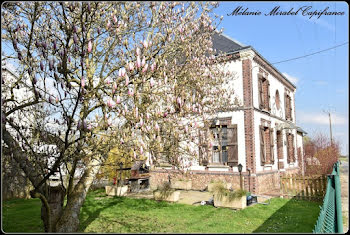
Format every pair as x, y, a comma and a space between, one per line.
321, 118
291, 78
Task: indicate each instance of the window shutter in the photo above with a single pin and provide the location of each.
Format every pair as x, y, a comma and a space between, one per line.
260, 96
285, 106
292, 147
272, 158
262, 146
268, 96
232, 146
288, 154
203, 147
290, 108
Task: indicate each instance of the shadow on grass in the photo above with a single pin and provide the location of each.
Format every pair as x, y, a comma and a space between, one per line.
97, 202
296, 216
89, 208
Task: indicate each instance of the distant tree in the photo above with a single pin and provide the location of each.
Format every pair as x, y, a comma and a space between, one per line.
99, 75
320, 154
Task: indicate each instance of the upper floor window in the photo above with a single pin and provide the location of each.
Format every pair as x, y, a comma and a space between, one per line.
288, 106
277, 100
264, 93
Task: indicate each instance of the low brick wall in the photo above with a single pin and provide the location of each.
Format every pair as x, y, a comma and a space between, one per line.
264, 181
200, 179
270, 181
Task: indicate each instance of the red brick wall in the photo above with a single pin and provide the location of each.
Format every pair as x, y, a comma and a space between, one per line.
249, 121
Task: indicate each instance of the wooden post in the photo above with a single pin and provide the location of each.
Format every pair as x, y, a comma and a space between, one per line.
311, 189
321, 187
293, 185
281, 186
299, 187
307, 187
303, 187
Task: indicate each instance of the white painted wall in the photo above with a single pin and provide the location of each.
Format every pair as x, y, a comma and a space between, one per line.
236, 83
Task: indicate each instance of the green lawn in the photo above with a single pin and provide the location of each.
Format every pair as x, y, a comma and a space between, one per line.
126, 215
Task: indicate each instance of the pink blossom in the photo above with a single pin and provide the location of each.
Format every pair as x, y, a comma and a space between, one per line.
108, 24
156, 127
145, 68
141, 150
126, 80
89, 127
178, 101
153, 66
147, 116
131, 66
143, 62
138, 62
118, 99
56, 99
82, 82
145, 44
108, 82
122, 72
136, 112
109, 103
89, 46
186, 128
141, 122
151, 82
115, 19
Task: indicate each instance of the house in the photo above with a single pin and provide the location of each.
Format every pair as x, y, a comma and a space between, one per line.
260, 134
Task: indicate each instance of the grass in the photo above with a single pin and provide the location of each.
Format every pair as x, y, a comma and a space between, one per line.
22, 215
104, 214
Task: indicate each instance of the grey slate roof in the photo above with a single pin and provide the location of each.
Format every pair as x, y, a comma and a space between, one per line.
225, 44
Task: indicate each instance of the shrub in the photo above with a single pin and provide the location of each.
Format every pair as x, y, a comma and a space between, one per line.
320, 154
220, 191
165, 190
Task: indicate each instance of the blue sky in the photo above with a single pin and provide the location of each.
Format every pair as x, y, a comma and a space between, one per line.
322, 80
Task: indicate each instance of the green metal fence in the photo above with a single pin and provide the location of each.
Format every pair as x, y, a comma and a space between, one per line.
330, 219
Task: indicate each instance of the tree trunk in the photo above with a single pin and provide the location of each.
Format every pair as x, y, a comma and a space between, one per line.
55, 199
69, 219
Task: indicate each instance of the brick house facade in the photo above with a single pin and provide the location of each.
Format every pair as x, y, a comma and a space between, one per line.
260, 134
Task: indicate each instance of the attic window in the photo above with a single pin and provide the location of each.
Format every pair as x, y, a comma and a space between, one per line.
277, 100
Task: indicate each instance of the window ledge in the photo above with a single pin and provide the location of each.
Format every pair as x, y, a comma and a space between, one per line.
217, 166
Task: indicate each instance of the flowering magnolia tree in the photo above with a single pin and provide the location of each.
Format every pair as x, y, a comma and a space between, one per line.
138, 75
